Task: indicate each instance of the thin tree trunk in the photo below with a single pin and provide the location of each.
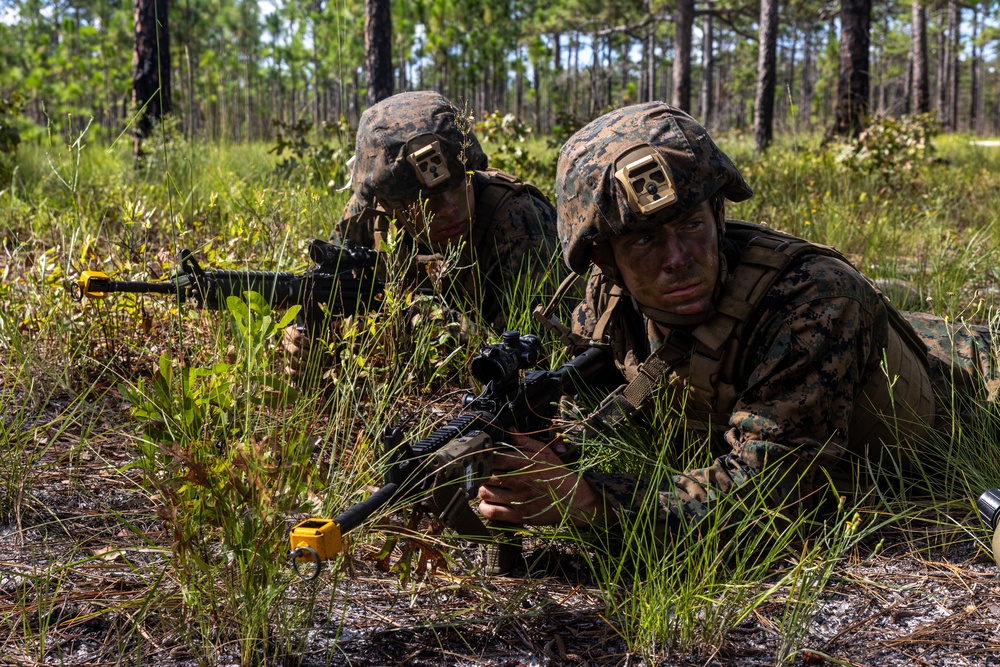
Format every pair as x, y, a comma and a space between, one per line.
684, 20
595, 80
788, 94
920, 85
952, 64
763, 117
944, 69
151, 68
378, 49
806, 88
974, 92
574, 70
854, 79
651, 64
624, 64
706, 101
611, 80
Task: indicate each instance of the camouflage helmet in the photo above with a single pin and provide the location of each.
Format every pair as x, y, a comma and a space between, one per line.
410, 145
636, 168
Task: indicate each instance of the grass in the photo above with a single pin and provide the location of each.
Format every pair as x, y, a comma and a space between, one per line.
216, 454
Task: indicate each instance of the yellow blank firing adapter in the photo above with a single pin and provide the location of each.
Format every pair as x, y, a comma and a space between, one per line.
644, 175
314, 540
428, 161
92, 284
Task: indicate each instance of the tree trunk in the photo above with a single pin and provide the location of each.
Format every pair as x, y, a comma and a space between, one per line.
684, 20
151, 68
650, 91
610, 100
920, 83
378, 49
624, 63
974, 92
595, 80
574, 70
853, 82
953, 33
763, 111
706, 100
943, 71
806, 87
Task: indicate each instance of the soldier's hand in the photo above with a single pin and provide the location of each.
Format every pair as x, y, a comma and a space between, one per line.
295, 345
530, 485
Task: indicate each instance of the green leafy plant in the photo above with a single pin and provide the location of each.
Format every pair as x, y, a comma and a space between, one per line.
321, 156
226, 475
893, 148
507, 140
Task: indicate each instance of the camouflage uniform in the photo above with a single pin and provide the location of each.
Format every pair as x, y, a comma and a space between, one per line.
800, 385
513, 243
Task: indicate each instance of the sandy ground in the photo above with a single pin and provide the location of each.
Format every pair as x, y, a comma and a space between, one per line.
73, 576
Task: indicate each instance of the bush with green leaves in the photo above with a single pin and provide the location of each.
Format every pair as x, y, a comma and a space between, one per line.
507, 140
320, 156
10, 133
226, 478
893, 148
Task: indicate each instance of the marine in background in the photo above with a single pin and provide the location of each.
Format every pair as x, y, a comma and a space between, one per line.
485, 241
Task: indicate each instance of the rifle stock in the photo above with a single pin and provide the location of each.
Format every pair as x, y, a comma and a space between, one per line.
443, 471
342, 282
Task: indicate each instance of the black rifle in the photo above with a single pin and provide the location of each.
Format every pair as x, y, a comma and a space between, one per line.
442, 472
342, 282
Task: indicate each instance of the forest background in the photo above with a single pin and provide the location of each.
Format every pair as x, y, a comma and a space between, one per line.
146, 485
231, 69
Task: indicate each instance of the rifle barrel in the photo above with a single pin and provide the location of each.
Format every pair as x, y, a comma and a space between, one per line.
355, 515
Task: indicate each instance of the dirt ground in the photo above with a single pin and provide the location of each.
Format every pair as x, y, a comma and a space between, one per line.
71, 574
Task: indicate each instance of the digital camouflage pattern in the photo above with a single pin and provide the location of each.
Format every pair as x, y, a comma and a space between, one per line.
591, 202
820, 337
803, 371
383, 144
513, 246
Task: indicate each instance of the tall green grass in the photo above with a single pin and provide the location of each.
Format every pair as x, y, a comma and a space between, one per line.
233, 453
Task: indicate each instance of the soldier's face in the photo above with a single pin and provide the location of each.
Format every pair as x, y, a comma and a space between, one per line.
444, 218
673, 267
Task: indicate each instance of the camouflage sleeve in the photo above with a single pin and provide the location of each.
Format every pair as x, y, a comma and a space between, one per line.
817, 346
525, 265
356, 222
588, 311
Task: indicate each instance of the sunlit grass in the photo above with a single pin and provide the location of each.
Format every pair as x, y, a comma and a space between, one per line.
81, 207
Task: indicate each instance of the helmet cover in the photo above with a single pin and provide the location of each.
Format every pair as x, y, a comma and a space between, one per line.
636, 168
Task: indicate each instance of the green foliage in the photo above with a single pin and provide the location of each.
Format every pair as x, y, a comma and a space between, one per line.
321, 157
10, 134
225, 479
565, 127
506, 140
893, 148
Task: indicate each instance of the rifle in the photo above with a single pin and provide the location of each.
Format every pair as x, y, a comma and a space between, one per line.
442, 472
342, 282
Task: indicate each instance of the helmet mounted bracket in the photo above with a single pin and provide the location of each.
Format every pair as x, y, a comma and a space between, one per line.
646, 180
428, 161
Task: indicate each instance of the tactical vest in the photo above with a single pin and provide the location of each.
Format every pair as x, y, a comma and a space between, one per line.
706, 361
